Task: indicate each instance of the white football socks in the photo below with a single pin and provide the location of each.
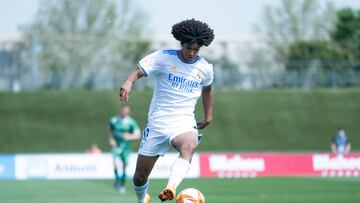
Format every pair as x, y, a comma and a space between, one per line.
141, 192
178, 171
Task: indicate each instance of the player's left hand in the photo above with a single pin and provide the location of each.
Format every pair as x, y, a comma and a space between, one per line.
112, 142
202, 124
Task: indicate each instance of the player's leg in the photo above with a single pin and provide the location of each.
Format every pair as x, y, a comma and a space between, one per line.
116, 164
124, 158
115, 156
186, 144
120, 182
116, 169
144, 165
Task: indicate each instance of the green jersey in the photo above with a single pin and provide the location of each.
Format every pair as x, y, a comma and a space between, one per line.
118, 127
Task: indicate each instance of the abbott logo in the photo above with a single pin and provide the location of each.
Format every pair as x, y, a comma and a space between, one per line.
325, 162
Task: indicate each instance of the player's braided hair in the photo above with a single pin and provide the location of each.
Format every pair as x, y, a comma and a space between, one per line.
190, 31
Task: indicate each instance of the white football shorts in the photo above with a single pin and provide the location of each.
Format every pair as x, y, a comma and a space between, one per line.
157, 141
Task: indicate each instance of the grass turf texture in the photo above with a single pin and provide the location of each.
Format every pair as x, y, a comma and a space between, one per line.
266, 120
258, 190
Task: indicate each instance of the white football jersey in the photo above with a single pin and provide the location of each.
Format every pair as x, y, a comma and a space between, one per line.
178, 86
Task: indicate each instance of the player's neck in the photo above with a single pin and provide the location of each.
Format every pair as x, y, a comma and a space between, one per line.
122, 117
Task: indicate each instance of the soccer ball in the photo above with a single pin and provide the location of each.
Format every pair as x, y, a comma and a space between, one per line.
190, 195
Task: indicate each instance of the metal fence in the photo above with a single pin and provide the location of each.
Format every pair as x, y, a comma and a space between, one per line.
106, 71
105, 79
303, 80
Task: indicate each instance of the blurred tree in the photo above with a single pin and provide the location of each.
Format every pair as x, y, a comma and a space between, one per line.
86, 35
341, 54
328, 55
347, 27
224, 62
295, 20
261, 61
347, 32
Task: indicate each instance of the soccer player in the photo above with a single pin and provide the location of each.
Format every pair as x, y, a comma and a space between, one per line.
122, 130
181, 77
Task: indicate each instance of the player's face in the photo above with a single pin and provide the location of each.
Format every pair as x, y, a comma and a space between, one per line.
125, 111
189, 51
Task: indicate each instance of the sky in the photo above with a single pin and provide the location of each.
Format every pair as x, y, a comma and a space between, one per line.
162, 14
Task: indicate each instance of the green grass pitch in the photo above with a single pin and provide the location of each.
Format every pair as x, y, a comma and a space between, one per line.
256, 190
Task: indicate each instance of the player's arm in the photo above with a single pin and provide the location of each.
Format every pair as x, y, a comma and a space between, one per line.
348, 147
125, 89
132, 136
134, 132
110, 138
333, 147
207, 97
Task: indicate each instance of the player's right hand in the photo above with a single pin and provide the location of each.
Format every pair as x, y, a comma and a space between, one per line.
124, 92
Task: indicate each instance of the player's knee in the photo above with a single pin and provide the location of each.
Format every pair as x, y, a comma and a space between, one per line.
139, 179
188, 148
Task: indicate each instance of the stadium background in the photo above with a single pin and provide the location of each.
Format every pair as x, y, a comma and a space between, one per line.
285, 96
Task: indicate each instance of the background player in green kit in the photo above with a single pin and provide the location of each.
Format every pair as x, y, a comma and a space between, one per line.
122, 130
